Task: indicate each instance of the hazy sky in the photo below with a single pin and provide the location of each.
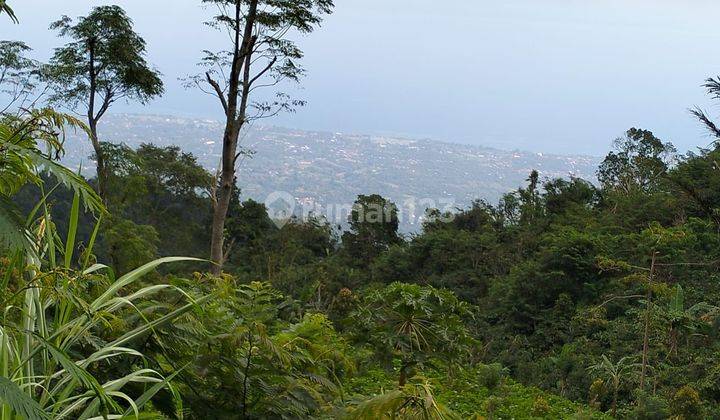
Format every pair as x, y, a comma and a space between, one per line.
541, 75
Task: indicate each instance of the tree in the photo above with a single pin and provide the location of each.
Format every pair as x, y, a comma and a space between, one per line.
373, 228
411, 324
103, 63
259, 55
680, 318
162, 187
614, 374
18, 75
246, 362
696, 180
639, 161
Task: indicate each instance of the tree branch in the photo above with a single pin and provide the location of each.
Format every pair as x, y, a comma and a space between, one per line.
265, 70
218, 91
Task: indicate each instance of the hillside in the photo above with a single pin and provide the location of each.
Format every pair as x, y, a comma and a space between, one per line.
326, 171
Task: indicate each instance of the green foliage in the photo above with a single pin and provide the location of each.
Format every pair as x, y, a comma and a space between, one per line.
412, 324
650, 407
127, 244
163, 188
18, 74
22, 139
19, 401
412, 401
464, 397
245, 358
59, 326
373, 227
638, 163
686, 403
490, 376
105, 57
615, 374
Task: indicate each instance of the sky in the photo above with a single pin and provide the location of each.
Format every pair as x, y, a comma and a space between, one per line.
553, 76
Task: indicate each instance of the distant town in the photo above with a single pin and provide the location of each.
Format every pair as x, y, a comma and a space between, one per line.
321, 169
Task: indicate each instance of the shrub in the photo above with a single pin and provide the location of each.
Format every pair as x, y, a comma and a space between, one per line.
686, 403
490, 375
650, 407
541, 407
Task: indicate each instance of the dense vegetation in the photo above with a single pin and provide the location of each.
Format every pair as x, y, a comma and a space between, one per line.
566, 299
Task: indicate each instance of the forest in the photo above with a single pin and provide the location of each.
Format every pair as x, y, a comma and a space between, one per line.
153, 290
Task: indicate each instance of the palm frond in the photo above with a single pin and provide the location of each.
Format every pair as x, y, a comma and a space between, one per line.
706, 121
5, 8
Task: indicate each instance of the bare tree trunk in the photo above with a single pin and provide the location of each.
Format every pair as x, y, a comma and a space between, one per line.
92, 123
613, 408
100, 157
646, 334
223, 197
402, 380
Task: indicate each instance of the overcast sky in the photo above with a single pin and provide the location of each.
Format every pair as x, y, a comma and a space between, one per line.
541, 75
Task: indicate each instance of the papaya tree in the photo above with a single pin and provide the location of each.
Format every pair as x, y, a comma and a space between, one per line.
410, 325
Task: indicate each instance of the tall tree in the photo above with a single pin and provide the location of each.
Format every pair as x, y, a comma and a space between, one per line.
639, 161
104, 62
374, 226
18, 77
260, 54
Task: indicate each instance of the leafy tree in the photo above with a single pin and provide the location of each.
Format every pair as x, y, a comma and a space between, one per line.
18, 75
103, 63
373, 228
615, 374
411, 324
260, 54
639, 161
127, 244
696, 181
686, 403
161, 187
248, 222
247, 362
681, 319
569, 200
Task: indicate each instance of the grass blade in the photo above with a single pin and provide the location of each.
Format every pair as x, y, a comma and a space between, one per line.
72, 230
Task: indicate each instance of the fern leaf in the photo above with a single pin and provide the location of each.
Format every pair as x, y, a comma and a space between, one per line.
20, 402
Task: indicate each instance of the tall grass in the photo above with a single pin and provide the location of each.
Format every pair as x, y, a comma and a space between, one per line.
53, 331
